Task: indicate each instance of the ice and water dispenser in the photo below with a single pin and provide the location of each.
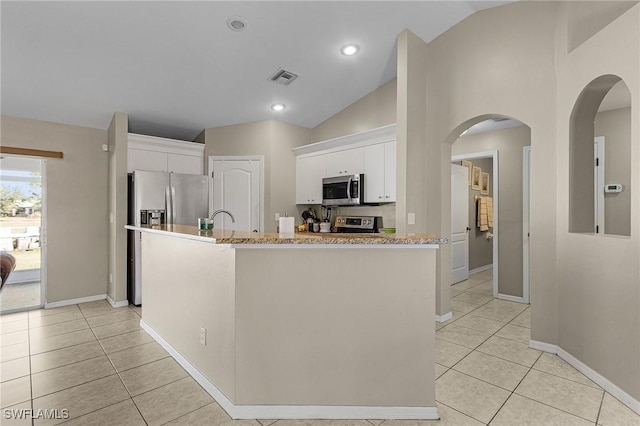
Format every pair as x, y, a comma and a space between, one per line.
152, 217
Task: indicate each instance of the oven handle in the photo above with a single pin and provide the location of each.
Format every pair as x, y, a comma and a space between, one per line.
349, 188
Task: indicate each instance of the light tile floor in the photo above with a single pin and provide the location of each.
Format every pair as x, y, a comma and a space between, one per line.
97, 363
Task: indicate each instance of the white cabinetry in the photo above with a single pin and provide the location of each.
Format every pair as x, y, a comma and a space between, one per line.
164, 155
309, 173
372, 152
346, 162
380, 173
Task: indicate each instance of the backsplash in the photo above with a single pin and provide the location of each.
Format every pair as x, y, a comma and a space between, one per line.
387, 211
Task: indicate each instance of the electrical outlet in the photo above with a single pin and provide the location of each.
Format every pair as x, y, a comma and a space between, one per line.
203, 336
411, 218
277, 217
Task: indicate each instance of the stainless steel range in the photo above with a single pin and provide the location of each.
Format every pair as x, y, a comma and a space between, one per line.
358, 224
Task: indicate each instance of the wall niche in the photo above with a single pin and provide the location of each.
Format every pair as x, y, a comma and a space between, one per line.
599, 157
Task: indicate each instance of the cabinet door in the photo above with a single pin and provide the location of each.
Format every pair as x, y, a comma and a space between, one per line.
309, 174
347, 162
189, 164
374, 168
389, 172
152, 161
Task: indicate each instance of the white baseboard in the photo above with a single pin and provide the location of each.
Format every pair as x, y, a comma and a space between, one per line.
75, 301
596, 377
544, 347
120, 304
481, 269
291, 411
517, 299
445, 317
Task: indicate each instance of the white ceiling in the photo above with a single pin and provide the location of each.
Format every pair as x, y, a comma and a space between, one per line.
175, 68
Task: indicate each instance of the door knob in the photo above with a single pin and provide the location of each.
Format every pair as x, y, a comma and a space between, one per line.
468, 229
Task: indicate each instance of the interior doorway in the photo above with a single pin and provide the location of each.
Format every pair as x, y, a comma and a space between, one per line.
475, 205
22, 231
238, 187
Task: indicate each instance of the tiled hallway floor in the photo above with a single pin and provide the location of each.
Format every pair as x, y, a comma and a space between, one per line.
96, 362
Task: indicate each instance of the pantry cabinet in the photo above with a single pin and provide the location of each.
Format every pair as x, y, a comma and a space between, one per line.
380, 173
309, 174
156, 154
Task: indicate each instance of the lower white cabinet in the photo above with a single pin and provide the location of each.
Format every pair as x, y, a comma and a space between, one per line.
309, 174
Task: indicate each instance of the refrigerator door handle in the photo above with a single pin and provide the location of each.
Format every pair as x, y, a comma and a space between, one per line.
168, 204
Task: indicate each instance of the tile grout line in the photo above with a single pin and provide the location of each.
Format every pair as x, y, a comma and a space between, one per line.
600, 407
116, 372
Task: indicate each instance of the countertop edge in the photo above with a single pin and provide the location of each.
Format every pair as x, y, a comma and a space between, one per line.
303, 241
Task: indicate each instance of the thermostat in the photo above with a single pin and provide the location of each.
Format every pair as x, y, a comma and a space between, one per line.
612, 187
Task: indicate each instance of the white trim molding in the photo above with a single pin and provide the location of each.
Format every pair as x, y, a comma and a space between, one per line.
120, 304
445, 317
291, 411
368, 137
596, 377
75, 301
511, 298
481, 269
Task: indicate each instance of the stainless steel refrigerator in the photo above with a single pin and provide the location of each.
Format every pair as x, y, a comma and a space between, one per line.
157, 198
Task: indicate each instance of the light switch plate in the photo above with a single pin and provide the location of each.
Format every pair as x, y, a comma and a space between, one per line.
411, 218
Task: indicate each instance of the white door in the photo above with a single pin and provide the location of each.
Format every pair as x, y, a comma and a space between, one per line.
236, 188
459, 223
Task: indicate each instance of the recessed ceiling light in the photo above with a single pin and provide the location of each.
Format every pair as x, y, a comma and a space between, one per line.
278, 107
236, 23
350, 49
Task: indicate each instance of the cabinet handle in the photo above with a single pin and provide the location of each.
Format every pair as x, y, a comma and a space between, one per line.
380, 196
387, 196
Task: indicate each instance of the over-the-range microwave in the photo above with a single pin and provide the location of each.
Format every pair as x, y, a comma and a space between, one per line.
343, 190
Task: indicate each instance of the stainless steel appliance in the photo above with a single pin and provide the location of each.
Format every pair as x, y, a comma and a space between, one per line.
358, 224
158, 198
343, 190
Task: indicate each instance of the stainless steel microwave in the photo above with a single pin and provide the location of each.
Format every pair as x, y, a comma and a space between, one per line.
343, 190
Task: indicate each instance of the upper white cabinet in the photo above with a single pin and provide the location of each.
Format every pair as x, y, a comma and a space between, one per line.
380, 173
347, 162
309, 174
164, 155
372, 152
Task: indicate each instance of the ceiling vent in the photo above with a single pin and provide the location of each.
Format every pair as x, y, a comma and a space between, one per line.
283, 77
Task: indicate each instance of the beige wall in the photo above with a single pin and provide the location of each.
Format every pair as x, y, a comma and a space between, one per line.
509, 71
77, 205
118, 140
509, 144
274, 141
598, 275
277, 338
615, 126
374, 110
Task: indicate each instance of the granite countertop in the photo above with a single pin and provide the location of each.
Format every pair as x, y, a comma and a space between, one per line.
221, 236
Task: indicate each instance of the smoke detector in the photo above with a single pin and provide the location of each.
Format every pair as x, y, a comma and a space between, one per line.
283, 77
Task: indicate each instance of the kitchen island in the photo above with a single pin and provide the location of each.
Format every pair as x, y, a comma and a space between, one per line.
315, 326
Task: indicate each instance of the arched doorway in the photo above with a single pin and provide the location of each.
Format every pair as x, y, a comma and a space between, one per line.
495, 148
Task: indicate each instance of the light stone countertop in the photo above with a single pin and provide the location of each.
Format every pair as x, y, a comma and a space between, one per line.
240, 238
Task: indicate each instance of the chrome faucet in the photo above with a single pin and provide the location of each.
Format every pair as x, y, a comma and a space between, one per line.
213, 216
